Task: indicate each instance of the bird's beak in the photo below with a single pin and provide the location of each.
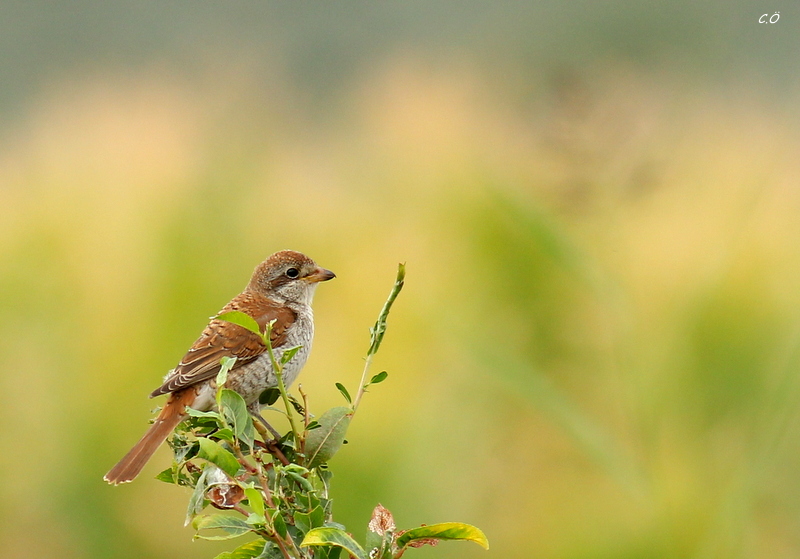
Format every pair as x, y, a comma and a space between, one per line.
320, 274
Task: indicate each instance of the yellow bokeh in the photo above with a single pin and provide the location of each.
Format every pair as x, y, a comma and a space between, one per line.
595, 355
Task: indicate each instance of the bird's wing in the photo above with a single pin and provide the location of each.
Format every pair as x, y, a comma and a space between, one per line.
225, 339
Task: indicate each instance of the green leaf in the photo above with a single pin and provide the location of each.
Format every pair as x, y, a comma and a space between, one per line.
287, 441
344, 392
223, 434
380, 377
374, 542
197, 500
335, 537
287, 355
307, 521
269, 396
167, 476
307, 501
226, 364
246, 551
235, 408
325, 477
329, 553
302, 521
324, 442
444, 531
241, 319
279, 523
231, 525
197, 413
317, 517
296, 468
304, 483
255, 499
272, 551
203, 425
256, 520
214, 453
174, 475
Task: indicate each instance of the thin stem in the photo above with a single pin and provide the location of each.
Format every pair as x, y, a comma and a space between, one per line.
262, 477
278, 368
242, 459
264, 428
363, 384
302, 443
282, 547
378, 331
240, 510
275, 450
297, 551
285, 397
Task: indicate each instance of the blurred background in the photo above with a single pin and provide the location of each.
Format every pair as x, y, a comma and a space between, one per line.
597, 353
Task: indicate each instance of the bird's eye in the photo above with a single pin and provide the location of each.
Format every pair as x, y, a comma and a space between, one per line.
292, 273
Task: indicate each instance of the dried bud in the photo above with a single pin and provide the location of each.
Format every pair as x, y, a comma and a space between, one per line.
225, 496
223, 492
382, 521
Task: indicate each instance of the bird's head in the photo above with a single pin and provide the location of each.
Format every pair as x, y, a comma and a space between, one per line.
289, 277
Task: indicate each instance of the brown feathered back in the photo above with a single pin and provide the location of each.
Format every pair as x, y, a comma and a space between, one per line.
225, 339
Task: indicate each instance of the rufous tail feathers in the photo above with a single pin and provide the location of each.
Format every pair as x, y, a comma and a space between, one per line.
133, 462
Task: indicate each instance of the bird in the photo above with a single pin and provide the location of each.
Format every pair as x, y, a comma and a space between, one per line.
281, 290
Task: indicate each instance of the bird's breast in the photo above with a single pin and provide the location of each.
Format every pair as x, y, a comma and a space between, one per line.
251, 379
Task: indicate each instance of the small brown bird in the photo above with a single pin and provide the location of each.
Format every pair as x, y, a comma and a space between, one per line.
281, 289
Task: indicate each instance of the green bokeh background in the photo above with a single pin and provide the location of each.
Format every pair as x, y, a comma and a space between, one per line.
597, 353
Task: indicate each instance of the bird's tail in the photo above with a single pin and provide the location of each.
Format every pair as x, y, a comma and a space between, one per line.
133, 462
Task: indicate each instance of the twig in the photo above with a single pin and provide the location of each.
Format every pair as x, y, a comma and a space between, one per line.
264, 479
302, 443
278, 369
242, 459
272, 448
240, 510
282, 547
378, 331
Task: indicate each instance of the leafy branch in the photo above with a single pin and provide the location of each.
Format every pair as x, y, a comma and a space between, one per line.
279, 490
376, 336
